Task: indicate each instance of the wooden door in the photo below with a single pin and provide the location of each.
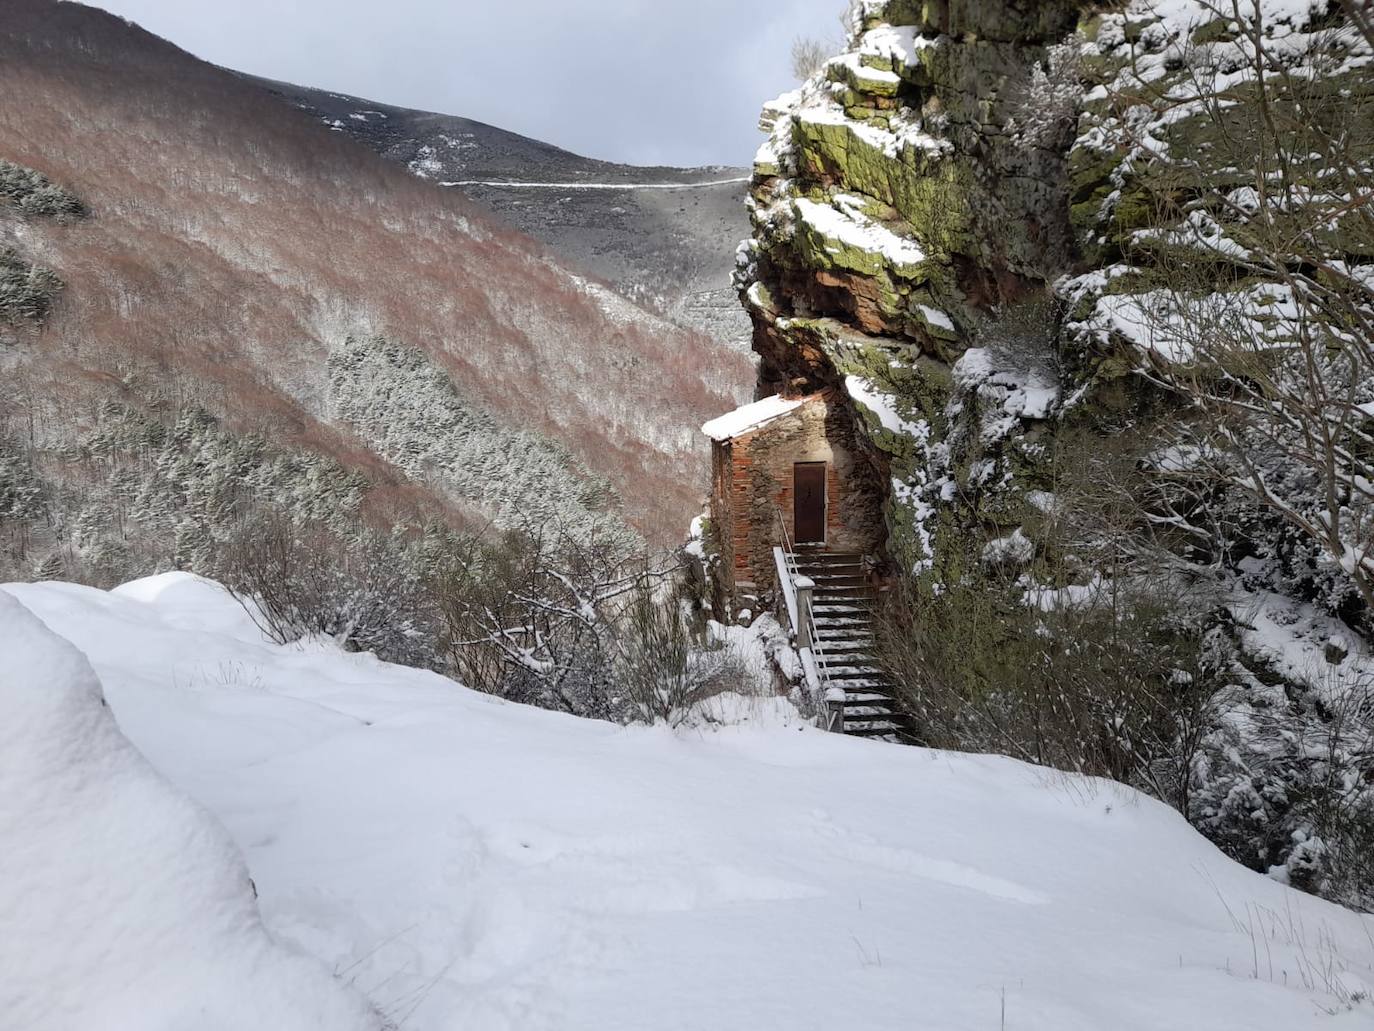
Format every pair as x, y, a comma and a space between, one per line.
808, 502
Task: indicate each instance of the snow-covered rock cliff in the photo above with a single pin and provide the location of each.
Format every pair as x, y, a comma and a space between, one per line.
1097, 279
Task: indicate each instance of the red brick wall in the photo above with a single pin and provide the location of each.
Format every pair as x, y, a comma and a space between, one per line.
753, 473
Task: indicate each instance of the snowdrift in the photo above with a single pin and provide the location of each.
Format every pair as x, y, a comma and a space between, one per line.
122, 903
471, 864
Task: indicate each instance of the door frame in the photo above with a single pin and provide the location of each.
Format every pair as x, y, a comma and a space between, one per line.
825, 502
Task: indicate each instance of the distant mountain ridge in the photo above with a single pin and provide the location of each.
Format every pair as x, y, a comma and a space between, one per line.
669, 249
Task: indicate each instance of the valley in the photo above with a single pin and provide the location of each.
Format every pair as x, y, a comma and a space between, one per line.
664, 237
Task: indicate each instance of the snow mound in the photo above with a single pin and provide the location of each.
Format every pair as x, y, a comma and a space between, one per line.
491, 867
122, 904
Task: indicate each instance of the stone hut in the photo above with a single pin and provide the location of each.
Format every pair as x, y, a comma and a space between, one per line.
789, 463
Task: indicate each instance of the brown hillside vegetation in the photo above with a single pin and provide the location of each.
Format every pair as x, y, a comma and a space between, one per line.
234, 244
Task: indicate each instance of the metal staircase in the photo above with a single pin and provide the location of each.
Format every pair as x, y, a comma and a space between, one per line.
842, 632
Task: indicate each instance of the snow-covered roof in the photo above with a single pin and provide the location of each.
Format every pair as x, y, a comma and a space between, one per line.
750, 417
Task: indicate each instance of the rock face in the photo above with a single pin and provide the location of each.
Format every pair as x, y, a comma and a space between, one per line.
899, 220
1028, 241
952, 213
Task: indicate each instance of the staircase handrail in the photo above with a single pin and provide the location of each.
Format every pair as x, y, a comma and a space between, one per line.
803, 615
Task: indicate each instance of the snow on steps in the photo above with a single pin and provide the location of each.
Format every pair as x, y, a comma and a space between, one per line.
842, 612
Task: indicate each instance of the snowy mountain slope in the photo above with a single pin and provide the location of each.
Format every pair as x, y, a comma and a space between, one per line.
469, 863
672, 249
125, 907
242, 261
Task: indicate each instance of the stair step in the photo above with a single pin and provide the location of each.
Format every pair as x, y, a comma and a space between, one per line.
890, 717
876, 728
899, 735
869, 699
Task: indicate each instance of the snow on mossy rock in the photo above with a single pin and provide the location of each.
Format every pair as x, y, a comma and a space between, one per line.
123, 905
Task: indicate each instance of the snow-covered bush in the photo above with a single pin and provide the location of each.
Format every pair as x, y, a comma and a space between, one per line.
533, 614
1286, 782
590, 626
363, 589
35, 194
26, 291
1047, 111
667, 661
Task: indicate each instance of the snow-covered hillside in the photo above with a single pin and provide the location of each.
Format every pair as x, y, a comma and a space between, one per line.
664, 237
472, 864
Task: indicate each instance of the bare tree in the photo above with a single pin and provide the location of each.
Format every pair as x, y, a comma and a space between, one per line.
809, 56
810, 53
1257, 304
534, 615
300, 578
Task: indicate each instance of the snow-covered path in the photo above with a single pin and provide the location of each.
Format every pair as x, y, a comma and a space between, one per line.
472, 864
595, 186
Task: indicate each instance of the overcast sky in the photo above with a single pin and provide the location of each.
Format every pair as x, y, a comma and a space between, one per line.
675, 82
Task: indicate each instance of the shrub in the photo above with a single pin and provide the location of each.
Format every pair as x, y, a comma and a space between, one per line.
26, 291
1104, 682
1290, 788
533, 615
666, 662
303, 578
36, 195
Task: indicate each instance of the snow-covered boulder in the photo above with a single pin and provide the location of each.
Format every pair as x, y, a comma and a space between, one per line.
123, 905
